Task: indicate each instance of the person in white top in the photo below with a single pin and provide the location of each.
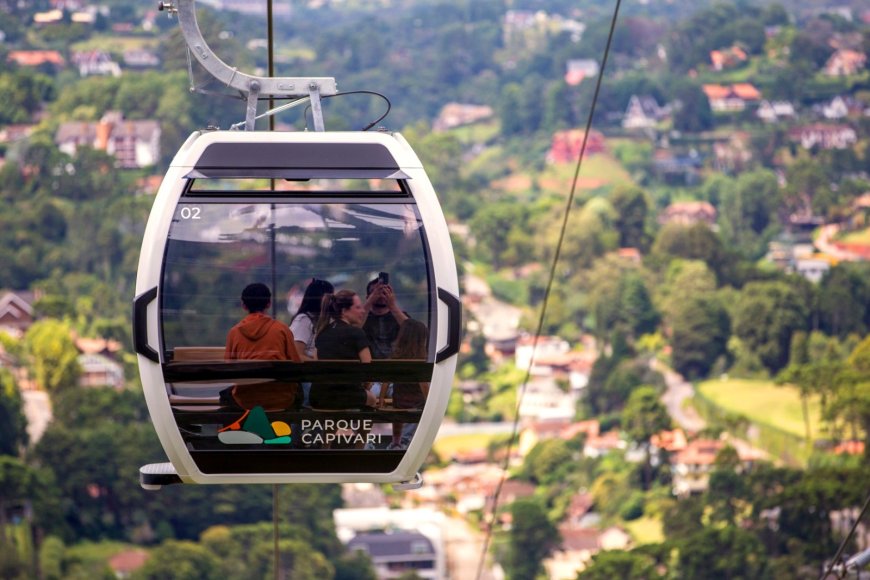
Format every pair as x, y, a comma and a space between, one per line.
305, 322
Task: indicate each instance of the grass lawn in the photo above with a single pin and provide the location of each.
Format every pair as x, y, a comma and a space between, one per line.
646, 530
598, 170
91, 553
481, 132
116, 44
763, 402
453, 444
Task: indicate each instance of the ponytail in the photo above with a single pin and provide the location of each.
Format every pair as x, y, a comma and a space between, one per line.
332, 306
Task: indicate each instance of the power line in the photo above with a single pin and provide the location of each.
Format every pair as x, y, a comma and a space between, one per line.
547, 292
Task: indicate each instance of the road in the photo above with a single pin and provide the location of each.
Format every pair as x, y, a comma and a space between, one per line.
464, 545
498, 320
678, 390
37, 410
825, 245
449, 429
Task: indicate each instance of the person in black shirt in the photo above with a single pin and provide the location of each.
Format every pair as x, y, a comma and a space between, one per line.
384, 317
340, 337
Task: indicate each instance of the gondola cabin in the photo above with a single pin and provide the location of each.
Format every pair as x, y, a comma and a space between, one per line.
281, 209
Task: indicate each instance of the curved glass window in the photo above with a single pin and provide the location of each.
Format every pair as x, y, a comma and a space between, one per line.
224, 238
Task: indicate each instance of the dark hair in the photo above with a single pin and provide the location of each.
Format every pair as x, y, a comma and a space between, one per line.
332, 307
412, 340
312, 300
371, 285
256, 297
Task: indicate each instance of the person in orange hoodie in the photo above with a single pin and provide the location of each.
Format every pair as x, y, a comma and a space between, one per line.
258, 336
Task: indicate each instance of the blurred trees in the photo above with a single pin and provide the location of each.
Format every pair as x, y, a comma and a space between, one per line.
766, 317
52, 355
699, 335
13, 424
532, 538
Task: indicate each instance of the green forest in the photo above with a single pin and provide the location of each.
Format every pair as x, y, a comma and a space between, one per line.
705, 297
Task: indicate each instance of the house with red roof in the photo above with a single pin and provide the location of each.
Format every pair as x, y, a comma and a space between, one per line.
688, 213
125, 563
727, 58
731, 98
36, 58
845, 62
132, 143
539, 431
692, 465
16, 312
566, 145
578, 69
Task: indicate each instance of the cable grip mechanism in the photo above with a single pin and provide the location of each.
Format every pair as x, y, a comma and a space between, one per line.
251, 87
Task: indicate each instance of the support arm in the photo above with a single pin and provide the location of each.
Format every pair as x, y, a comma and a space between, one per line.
290, 87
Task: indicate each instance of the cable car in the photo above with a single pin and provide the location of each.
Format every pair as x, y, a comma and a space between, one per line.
281, 209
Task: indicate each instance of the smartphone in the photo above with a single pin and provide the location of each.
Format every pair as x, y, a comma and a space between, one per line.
384, 278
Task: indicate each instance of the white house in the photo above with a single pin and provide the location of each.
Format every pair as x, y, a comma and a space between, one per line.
100, 371
546, 346
404, 537
643, 112
825, 136
95, 63
773, 111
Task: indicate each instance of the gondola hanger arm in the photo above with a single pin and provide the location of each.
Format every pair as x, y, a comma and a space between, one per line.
231, 76
251, 86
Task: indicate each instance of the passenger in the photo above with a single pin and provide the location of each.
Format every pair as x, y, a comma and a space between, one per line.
412, 343
304, 323
260, 337
339, 336
384, 317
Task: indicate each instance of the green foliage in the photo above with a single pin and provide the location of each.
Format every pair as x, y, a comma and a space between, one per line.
249, 551
502, 233
611, 491
13, 423
700, 331
633, 508
684, 518
695, 242
609, 564
510, 291
723, 553
71, 228
354, 566
747, 212
716, 27
644, 415
21, 94
618, 298
727, 488
766, 317
51, 557
53, 355
850, 397
182, 560
844, 299
694, 114
532, 538
633, 212
548, 461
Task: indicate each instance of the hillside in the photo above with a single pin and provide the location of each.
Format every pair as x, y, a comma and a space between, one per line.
718, 225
